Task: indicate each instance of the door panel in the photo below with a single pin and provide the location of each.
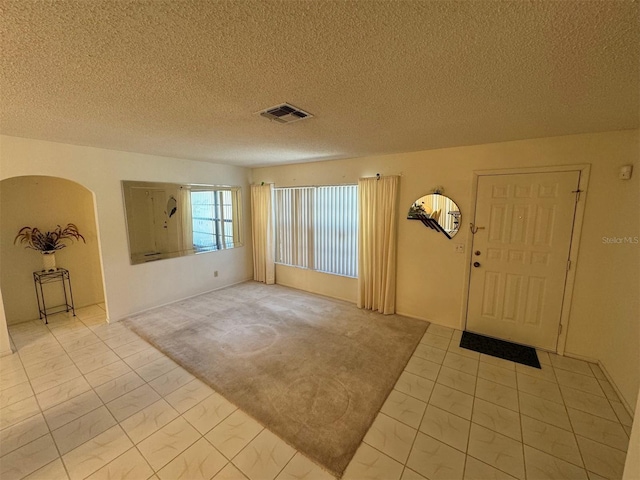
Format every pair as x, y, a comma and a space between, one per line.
516, 292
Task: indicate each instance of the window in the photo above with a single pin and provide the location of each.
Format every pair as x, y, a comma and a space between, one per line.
317, 228
213, 224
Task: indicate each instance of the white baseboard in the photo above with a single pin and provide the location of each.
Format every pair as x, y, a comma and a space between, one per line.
624, 402
580, 357
607, 375
296, 287
6, 352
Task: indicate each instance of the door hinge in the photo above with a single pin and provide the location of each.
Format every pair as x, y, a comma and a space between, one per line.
568, 265
577, 192
560, 329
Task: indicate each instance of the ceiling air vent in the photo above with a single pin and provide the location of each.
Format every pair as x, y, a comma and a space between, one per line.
285, 113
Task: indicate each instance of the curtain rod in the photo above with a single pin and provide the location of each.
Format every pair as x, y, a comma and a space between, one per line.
318, 186
378, 176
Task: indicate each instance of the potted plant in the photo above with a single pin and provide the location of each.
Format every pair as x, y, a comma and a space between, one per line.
48, 243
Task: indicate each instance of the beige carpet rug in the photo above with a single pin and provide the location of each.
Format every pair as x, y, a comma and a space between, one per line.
314, 371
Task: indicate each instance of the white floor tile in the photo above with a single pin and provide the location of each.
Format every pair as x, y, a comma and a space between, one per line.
72, 409
457, 380
435, 341
477, 470
440, 330
391, 437
404, 408
539, 388
427, 352
570, 364
20, 434
494, 449
83, 429
435, 460
234, 433
209, 413
371, 464
499, 394
415, 386
264, 457
446, 427
149, 420
188, 395
170, 381
453, 413
600, 459
18, 412
118, 386
28, 458
544, 410
51, 471
198, 462
453, 401
461, 363
62, 393
578, 381
493, 373
599, 429
496, 418
542, 465
230, 472
594, 404
301, 468
168, 442
96, 453
552, 440
423, 368
134, 401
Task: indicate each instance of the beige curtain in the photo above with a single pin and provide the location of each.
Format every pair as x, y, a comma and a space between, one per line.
263, 234
377, 238
186, 220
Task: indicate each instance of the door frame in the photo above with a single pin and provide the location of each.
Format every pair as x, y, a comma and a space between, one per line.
584, 169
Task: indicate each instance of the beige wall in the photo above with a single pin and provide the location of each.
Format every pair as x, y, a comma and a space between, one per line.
5, 344
632, 463
45, 202
133, 288
335, 286
431, 276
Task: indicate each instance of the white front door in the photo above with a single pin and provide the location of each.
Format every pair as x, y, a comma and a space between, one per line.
520, 256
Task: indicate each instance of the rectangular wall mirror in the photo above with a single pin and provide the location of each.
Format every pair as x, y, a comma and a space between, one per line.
166, 220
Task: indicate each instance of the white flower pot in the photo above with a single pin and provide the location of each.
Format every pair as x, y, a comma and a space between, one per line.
49, 261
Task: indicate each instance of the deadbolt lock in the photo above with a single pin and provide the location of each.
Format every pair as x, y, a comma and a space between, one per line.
477, 252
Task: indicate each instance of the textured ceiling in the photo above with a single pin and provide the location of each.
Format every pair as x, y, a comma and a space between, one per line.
185, 78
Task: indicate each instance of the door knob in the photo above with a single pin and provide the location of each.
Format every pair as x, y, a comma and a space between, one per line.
476, 264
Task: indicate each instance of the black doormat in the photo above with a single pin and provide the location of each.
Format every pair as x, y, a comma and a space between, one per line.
500, 348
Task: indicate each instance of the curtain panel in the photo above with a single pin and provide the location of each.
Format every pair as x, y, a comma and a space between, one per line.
263, 234
186, 220
377, 243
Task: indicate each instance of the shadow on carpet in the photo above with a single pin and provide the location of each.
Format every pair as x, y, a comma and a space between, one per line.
313, 370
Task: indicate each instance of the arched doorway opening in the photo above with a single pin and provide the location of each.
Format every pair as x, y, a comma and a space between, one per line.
45, 202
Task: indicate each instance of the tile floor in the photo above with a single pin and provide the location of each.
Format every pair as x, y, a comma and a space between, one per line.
85, 399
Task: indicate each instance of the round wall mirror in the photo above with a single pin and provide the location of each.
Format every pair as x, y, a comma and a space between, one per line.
438, 212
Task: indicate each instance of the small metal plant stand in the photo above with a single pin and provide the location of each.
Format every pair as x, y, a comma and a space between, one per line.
43, 277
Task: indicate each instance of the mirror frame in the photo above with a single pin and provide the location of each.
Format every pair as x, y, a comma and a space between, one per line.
435, 222
172, 191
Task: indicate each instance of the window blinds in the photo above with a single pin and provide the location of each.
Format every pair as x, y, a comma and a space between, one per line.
317, 228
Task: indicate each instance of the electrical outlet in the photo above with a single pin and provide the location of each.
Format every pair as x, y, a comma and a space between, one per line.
215, 273
459, 247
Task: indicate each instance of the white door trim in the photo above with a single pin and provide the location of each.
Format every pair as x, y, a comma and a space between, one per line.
585, 170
